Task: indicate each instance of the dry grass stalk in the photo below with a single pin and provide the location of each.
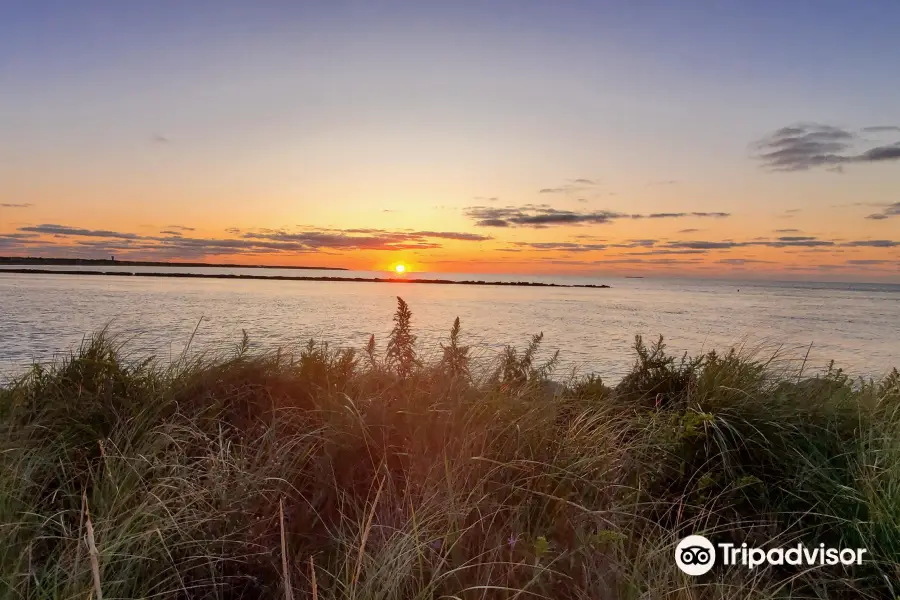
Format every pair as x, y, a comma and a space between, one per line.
288, 591
312, 577
365, 535
92, 551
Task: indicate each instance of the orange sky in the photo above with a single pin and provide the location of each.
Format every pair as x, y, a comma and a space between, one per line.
830, 243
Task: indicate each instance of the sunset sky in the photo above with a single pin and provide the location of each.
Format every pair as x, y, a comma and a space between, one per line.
732, 139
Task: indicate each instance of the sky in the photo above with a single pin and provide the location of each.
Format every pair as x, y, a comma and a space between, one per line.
639, 137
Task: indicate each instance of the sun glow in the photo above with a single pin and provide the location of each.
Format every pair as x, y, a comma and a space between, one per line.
401, 269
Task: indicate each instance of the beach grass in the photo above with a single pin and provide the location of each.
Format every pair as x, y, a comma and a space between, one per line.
380, 474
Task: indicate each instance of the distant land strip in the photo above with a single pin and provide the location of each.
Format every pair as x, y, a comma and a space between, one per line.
34, 260
288, 278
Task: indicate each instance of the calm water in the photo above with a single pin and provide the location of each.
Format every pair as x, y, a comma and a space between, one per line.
42, 316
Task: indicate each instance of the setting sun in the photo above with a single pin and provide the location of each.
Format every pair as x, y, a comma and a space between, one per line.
400, 269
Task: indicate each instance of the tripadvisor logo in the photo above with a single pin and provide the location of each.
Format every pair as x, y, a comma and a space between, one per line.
696, 555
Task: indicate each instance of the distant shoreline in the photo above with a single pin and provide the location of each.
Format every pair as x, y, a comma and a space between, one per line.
300, 278
34, 260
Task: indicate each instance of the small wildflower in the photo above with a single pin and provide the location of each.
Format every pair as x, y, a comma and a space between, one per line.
513, 538
436, 544
541, 545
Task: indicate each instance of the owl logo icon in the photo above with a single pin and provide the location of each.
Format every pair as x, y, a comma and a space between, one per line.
695, 555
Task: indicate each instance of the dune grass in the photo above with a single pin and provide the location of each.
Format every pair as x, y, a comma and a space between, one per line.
377, 474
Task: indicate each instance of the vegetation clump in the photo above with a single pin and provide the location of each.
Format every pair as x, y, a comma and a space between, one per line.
329, 474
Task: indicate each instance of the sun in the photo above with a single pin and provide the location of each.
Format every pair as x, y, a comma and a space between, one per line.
401, 269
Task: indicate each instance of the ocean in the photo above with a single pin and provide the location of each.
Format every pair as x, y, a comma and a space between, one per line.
45, 316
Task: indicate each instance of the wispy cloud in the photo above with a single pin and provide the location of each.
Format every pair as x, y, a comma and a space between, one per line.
16, 205
678, 215
66, 231
796, 238
181, 227
607, 261
873, 243
801, 242
881, 129
806, 146
892, 210
665, 251
314, 240
567, 246
740, 261
543, 215
172, 241
536, 215
452, 235
575, 185
493, 223
872, 261
704, 245
637, 243
779, 243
